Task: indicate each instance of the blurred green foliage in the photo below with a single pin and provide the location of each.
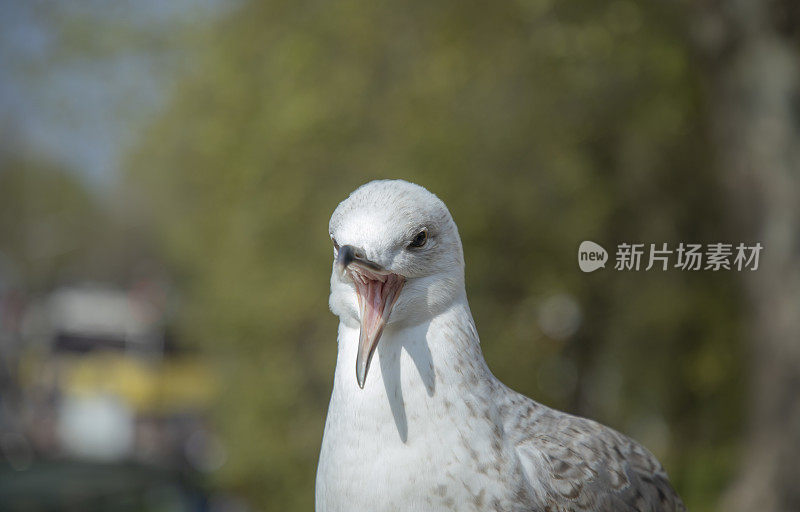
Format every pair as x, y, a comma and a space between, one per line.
43, 212
54, 231
539, 123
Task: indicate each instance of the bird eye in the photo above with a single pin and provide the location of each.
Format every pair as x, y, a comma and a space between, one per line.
335, 245
419, 240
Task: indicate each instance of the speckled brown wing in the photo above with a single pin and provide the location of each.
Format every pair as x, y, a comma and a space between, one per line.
579, 465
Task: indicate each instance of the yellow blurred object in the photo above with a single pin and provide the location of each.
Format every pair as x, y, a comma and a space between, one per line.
157, 386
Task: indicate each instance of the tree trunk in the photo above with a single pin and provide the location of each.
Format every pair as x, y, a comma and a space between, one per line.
752, 58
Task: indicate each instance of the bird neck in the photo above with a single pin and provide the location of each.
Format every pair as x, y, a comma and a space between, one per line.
423, 368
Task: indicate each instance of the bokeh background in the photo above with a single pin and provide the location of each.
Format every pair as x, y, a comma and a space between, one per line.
167, 171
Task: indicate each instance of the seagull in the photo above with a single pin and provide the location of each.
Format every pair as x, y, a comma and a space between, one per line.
424, 425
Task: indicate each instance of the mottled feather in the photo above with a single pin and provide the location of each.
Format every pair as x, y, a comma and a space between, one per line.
583, 465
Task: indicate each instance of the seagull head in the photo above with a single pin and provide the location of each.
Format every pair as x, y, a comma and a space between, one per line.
397, 259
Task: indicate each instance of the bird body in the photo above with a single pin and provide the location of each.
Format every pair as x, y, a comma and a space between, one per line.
432, 428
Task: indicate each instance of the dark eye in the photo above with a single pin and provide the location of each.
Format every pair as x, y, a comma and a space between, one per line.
419, 240
335, 245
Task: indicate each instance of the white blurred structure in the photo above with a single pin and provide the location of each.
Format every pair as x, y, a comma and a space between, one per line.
92, 317
99, 427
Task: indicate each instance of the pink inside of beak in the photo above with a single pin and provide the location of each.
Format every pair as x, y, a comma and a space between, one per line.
377, 294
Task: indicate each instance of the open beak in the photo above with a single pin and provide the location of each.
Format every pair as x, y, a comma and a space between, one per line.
377, 290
